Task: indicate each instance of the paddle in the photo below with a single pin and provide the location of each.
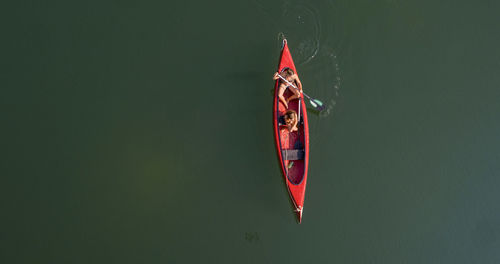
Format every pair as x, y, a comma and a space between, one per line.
314, 102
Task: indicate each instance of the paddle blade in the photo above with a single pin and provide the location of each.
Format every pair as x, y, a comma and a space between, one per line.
317, 104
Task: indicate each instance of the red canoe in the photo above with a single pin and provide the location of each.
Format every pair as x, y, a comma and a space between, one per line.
292, 148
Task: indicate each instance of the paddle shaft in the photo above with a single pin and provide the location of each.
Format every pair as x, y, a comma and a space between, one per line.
291, 84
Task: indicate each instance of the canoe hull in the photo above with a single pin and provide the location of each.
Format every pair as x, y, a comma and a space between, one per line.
294, 171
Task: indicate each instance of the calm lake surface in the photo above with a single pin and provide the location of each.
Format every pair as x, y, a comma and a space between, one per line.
141, 132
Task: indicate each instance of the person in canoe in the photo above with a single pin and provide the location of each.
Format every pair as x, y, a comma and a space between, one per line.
291, 120
291, 77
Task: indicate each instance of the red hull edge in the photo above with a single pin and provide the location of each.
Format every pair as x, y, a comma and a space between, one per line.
295, 174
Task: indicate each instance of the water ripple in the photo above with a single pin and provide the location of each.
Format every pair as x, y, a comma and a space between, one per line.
302, 22
314, 43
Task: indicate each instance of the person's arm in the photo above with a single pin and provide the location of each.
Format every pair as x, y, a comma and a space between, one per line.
299, 84
275, 76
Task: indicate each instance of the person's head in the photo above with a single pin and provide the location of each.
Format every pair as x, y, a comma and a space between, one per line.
290, 117
287, 73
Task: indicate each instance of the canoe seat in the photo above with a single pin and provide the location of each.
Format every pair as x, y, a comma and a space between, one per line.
293, 154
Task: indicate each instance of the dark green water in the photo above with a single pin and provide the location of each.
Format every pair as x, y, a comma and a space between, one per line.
140, 132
